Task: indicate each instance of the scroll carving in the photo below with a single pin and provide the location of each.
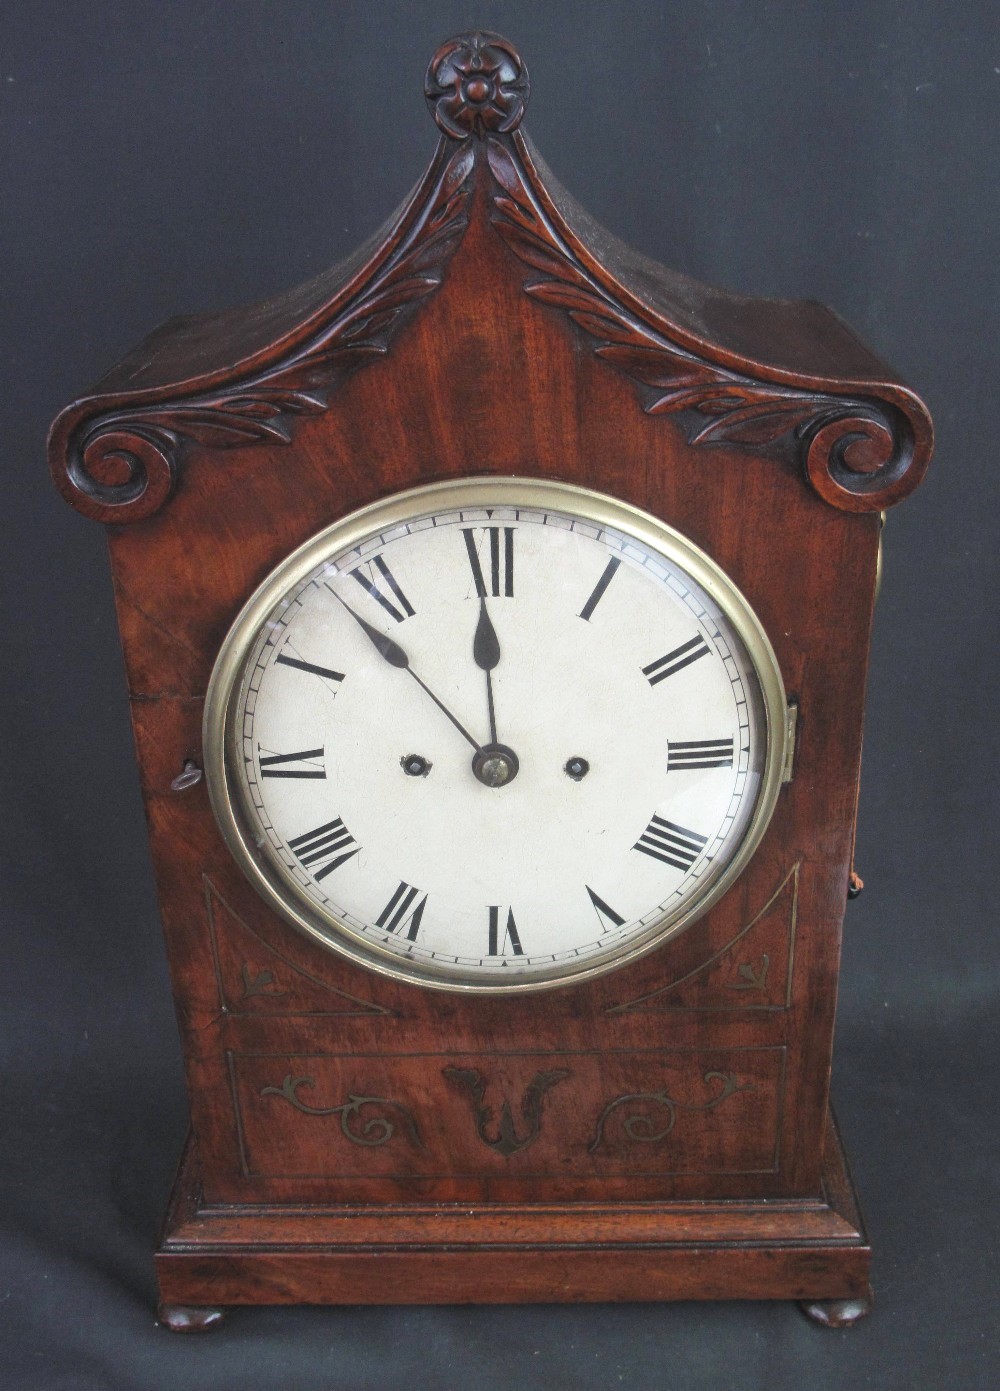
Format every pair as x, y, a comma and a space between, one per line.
476, 83
855, 450
374, 1132
506, 1140
640, 1126
123, 463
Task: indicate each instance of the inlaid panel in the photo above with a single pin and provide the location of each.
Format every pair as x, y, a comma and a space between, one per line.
519, 1114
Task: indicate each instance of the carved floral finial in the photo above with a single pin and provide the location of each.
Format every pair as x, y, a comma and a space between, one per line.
477, 83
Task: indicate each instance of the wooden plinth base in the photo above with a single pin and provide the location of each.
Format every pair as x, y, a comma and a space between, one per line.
813, 1251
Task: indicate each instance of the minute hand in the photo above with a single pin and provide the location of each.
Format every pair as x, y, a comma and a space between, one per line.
392, 653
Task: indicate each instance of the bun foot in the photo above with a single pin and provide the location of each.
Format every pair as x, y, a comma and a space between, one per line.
189, 1318
838, 1313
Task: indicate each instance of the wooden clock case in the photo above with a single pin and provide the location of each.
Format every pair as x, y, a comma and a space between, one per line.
662, 1131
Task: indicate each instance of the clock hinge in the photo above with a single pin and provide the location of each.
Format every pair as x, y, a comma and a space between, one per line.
791, 727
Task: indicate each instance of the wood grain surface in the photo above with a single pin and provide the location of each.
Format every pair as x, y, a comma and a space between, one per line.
492, 328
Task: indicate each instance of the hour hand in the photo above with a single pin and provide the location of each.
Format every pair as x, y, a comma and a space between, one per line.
486, 654
485, 645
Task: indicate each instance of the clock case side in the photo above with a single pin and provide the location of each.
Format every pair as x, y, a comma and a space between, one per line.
503, 332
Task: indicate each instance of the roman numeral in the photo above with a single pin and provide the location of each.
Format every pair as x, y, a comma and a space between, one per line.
599, 588
401, 911
699, 753
498, 946
371, 583
671, 844
327, 846
682, 656
300, 665
269, 765
603, 910
501, 580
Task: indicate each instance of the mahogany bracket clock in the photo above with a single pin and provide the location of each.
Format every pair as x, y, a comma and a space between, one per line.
496, 614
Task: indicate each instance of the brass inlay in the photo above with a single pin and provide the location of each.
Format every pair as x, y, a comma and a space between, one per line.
507, 1141
260, 984
641, 1127
751, 977
645, 1002
377, 1130
792, 717
215, 901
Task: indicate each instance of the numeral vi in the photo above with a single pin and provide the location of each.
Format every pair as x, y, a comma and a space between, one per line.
498, 943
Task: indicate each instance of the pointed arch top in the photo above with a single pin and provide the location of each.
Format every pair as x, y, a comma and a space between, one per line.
783, 377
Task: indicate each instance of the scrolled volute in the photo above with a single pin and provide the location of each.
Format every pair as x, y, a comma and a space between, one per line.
122, 470
860, 456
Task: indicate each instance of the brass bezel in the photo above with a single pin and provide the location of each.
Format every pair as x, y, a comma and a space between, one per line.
220, 709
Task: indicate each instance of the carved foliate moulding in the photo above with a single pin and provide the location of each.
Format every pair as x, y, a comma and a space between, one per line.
733, 373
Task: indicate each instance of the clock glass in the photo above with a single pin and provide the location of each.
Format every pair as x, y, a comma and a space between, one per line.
495, 734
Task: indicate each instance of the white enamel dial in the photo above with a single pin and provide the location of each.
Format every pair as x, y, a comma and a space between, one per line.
494, 734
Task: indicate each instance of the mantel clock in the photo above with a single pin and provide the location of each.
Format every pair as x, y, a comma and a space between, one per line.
496, 613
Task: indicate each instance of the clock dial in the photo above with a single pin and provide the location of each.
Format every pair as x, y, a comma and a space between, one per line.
495, 734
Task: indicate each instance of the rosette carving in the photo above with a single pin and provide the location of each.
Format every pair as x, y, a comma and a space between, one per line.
476, 83
121, 465
857, 451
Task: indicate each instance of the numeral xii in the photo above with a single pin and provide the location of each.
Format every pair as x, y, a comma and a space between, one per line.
501, 561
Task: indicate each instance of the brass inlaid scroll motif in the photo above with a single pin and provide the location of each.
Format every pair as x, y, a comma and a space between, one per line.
506, 1140
641, 1127
375, 1131
751, 975
261, 983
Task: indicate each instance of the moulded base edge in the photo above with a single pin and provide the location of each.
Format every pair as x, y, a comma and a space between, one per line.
211, 1257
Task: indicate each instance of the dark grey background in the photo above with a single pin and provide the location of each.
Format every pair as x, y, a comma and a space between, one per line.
176, 157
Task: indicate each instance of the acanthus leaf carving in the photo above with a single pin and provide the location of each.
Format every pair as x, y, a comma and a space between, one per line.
856, 451
123, 463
